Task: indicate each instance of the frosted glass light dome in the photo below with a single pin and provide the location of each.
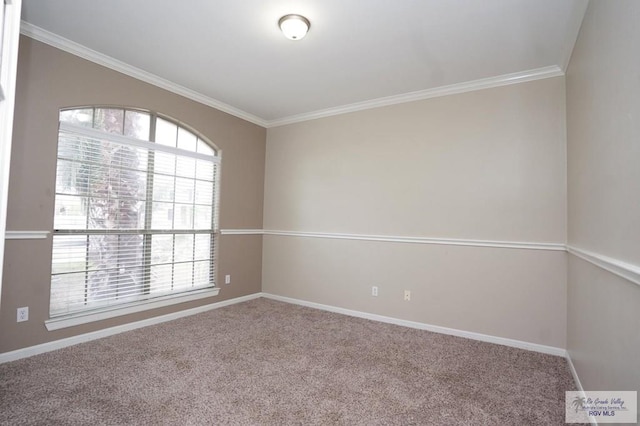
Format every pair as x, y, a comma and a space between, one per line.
294, 27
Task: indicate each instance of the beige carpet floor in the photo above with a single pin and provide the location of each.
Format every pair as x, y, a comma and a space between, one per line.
264, 362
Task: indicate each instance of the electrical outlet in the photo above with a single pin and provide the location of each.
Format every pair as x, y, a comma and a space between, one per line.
407, 295
227, 279
23, 314
374, 291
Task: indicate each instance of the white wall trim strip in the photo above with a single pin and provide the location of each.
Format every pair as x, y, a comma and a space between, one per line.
70, 341
26, 235
428, 327
84, 52
625, 270
576, 379
424, 240
241, 232
574, 373
622, 269
469, 86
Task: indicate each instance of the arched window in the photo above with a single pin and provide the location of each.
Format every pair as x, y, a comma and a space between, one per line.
136, 207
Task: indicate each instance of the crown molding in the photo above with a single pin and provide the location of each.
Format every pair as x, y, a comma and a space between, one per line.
452, 89
84, 52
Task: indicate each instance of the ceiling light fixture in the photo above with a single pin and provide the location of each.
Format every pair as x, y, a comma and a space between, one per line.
294, 27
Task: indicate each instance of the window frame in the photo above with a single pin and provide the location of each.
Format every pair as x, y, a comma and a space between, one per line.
64, 320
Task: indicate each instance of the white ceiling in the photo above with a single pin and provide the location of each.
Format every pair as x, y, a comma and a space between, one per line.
231, 54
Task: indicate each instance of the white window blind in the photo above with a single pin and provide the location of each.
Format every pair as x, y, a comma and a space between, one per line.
135, 210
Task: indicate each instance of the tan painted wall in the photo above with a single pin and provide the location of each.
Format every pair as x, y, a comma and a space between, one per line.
49, 79
516, 294
488, 165
603, 132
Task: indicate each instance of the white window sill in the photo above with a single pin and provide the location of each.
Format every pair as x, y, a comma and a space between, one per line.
130, 308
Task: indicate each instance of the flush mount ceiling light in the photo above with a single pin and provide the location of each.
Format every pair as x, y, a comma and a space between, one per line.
294, 27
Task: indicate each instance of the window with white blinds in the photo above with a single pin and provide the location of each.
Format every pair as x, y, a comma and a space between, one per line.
135, 210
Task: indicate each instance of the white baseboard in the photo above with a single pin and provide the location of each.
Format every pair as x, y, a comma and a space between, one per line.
550, 350
576, 379
81, 338
574, 373
62, 343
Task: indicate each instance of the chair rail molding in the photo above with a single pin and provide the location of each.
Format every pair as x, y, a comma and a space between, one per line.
622, 269
26, 235
424, 240
401, 239
241, 232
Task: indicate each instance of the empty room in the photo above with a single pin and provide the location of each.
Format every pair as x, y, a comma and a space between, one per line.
320, 212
